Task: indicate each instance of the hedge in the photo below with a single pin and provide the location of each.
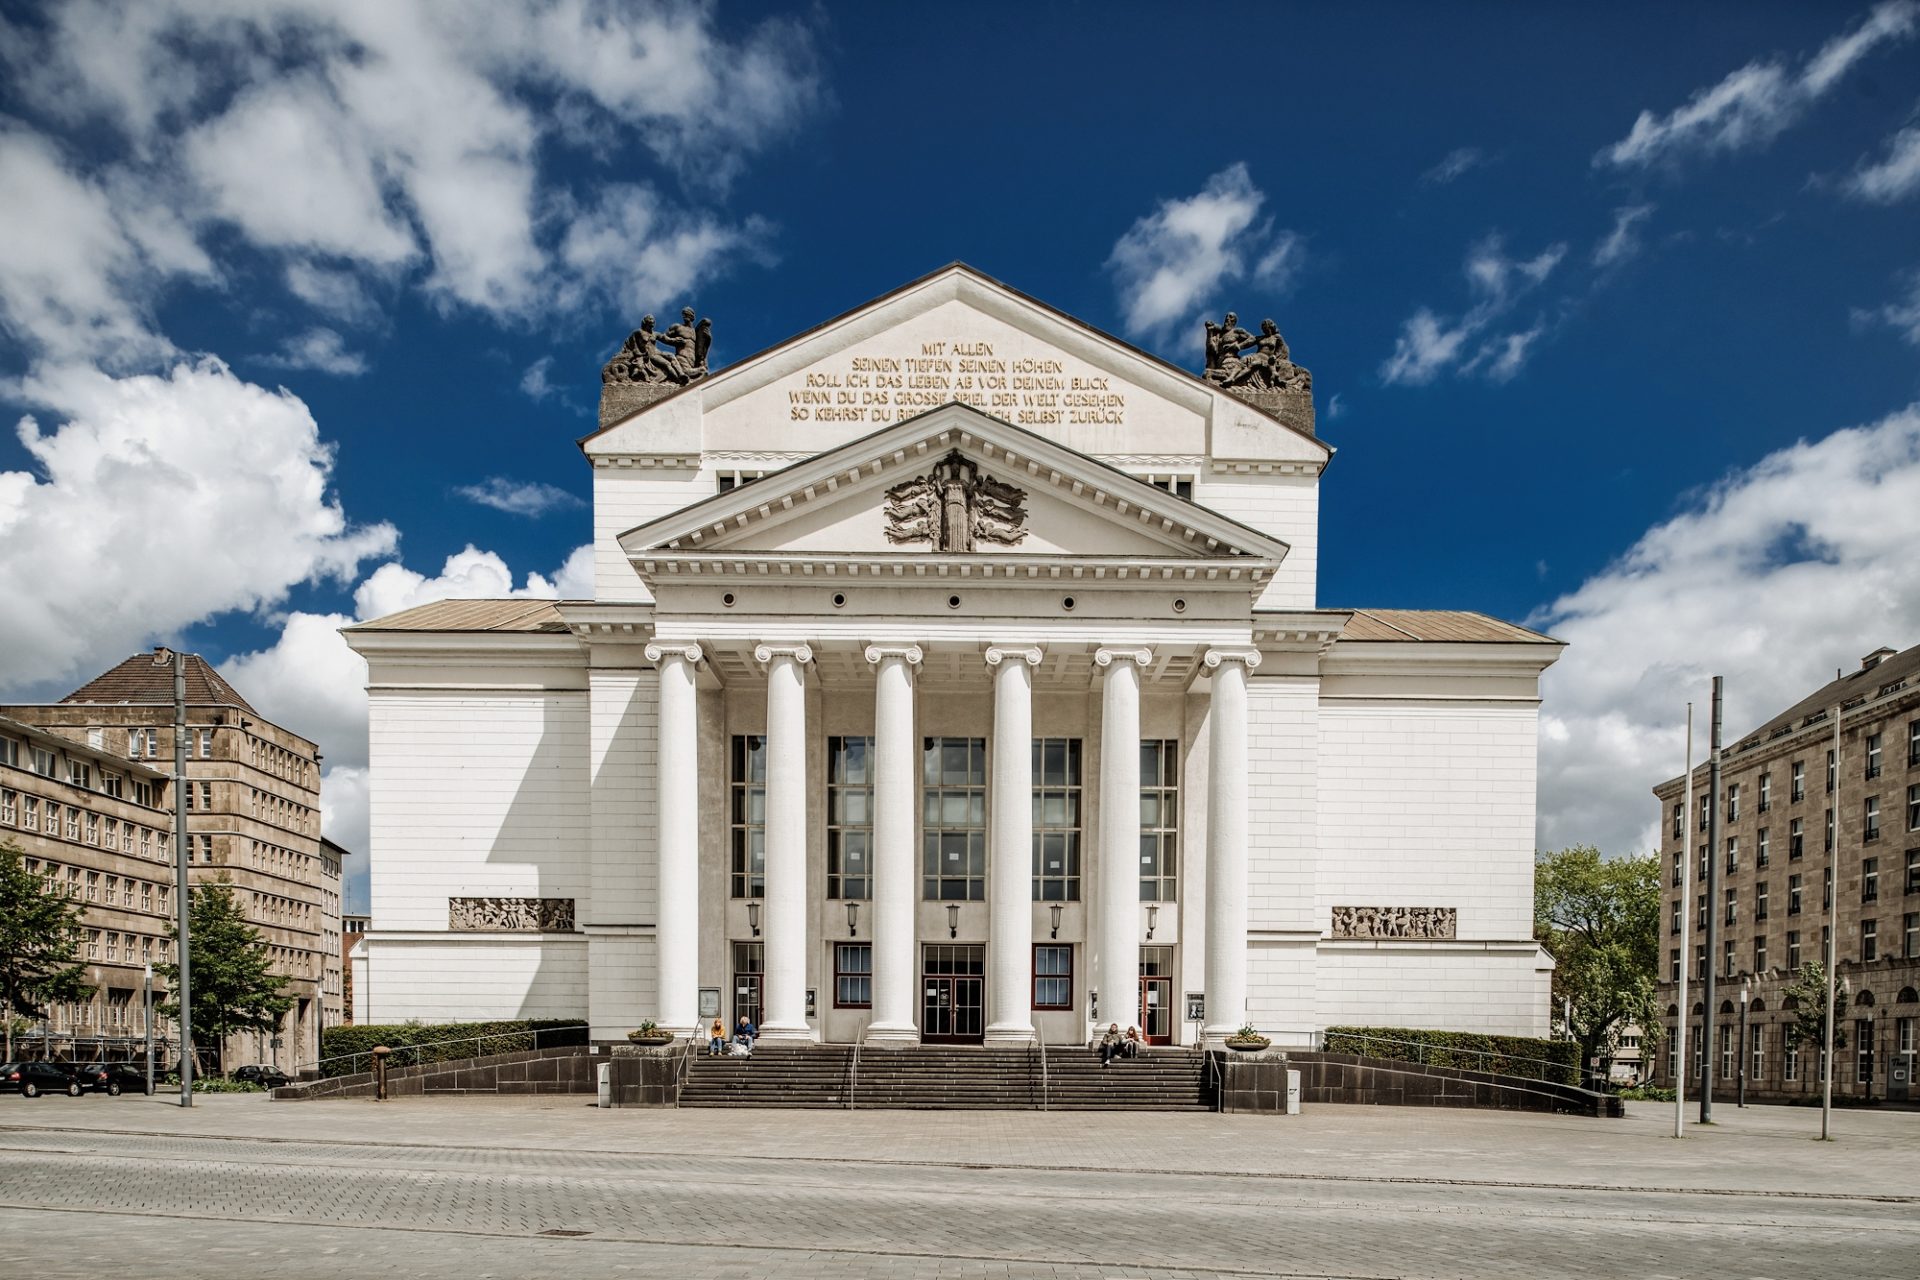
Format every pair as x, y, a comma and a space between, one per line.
345, 1050
1557, 1061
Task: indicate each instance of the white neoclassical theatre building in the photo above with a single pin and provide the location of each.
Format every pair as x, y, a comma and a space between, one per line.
954, 672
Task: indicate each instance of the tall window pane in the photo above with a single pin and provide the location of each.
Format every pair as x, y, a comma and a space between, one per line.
850, 818
748, 815
1159, 819
1056, 819
953, 819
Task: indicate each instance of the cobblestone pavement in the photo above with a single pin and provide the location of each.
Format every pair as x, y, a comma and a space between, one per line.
239, 1186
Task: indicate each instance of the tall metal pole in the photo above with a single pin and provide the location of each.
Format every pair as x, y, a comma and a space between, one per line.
1746, 990
181, 854
147, 978
1833, 905
1686, 956
1711, 854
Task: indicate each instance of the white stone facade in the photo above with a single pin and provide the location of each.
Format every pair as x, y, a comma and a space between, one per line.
1030, 768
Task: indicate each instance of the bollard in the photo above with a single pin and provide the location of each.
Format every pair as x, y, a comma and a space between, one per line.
380, 1053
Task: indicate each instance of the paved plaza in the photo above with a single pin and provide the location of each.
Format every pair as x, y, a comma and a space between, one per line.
242, 1187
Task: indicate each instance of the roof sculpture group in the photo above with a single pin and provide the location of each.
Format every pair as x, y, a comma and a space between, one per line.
642, 361
1238, 360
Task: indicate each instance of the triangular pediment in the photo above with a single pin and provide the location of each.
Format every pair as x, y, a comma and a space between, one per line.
956, 484
957, 336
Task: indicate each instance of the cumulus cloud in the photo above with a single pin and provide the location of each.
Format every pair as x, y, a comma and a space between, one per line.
1893, 177
1773, 577
1902, 314
1623, 243
319, 349
519, 497
1431, 344
1453, 166
160, 501
343, 820
1756, 103
1170, 262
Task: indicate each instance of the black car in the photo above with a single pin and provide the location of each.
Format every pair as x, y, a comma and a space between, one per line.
271, 1077
31, 1079
112, 1078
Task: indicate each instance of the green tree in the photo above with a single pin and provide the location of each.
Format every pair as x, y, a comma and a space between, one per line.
39, 945
234, 986
1599, 918
1806, 999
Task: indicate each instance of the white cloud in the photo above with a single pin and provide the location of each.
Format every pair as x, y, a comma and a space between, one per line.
308, 681
1902, 314
1454, 165
1774, 577
320, 349
535, 383
1623, 243
1430, 344
160, 501
338, 293
518, 497
343, 820
629, 250
1169, 263
1755, 104
470, 574
1894, 177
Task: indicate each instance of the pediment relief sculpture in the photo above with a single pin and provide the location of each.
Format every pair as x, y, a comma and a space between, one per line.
956, 507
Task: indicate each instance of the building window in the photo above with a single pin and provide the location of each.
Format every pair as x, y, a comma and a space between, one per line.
93, 944
1726, 1052
1826, 889
1056, 819
1733, 854
1760, 953
1727, 965
1673, 920
1869, 941
1913, 871
1760, 901
1789, 1055
9, 806
1796, 838
850, 818
10, 753
1052, 976
1766, 792
1831, 772
1733, 802
1913, 743
853, 975
1870, 880
1673, 959
1706, 811
1179, 486
1700, 912
1793, 950
1756, 1060
1679, 820
1913, 807
1910, 935
1829, 847
1733, 906
1679, 869
1798, 790
953, 848
206, 851
1873, 756
30, 813
1793, 895
1863, 1051
1870, 829
1761, 854
748, 816
1700, 962
1159, 820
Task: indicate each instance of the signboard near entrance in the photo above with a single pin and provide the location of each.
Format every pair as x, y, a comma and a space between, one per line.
1196, 1006
709, 1002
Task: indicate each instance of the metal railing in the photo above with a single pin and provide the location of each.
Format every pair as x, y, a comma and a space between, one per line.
685, 1067
1046, 1080
410, 1055
853, 1067
1437, 1055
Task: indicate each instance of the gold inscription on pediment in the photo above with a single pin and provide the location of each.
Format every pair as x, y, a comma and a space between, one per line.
1026, 390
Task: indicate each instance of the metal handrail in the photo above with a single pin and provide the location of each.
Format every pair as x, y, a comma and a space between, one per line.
686, 1068
853, 1066
1424, 1048
1046, 1080
414, 1049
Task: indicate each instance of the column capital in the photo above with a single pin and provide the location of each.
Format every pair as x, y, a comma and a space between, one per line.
1031, 654
876, 653
685, 650
1139, 655
766, 653
1245, 655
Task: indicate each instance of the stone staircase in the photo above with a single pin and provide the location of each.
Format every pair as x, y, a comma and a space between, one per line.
948, 1077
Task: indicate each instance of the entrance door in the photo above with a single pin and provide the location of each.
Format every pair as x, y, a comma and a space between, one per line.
1156, 994
953, 994
747, 965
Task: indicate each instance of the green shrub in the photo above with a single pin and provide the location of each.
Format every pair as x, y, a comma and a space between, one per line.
1646, 1093
1557, 1061
215, 1084
346, 1050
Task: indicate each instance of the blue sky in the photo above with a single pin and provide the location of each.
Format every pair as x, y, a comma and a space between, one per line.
1613, 316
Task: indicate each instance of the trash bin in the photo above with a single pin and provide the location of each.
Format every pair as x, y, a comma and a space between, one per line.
603, 1074
1293, 1092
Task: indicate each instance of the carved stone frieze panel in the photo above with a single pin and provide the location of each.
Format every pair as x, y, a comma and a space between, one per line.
955, 507
510, 915
1395, 922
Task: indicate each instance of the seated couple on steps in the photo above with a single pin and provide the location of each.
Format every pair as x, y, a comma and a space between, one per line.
1114, 1044
741, 1046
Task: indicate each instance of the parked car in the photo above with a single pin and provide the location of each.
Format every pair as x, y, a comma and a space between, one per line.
112, 1078
271, 1077
31, 1079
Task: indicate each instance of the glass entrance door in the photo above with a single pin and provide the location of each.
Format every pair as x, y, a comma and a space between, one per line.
1156, 994
746, 983
953, 994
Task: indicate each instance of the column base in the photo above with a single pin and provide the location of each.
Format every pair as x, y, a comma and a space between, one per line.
892, 1035
788, 1033
1008, 1033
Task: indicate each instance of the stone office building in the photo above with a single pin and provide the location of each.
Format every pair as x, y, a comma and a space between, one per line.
955, 672
253, 815
96, 826
1807, 840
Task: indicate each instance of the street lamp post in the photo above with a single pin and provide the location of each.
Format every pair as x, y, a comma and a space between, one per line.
146, 978
1746, 991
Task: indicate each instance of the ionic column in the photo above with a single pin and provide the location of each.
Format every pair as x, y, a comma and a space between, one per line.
1227, 841
1010, 845
1116, 965
783, 992
677, 822
895, 868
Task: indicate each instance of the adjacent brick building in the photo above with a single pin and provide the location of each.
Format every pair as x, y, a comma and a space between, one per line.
253, 817
1791, 819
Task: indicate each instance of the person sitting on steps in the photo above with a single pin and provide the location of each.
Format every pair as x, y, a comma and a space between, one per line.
716, 1039
1131, 1046
1111, 1043
744, 1035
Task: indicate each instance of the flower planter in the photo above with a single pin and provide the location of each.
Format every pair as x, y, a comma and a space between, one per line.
650, 1042
1248, 1046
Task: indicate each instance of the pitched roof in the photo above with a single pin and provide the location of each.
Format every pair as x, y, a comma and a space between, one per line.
1860, 683
147, 678
1453, 626
471, 615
